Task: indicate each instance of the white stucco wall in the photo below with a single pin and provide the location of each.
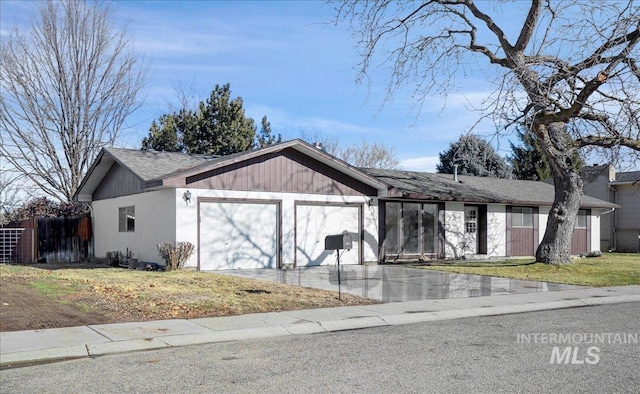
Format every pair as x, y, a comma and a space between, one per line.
371, 232
187, 217
154, 223
496, 230
454, 230
542, 224
595, 230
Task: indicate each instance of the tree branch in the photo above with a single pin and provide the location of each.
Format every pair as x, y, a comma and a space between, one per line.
529, 26
607, 142
630, 39
495, 29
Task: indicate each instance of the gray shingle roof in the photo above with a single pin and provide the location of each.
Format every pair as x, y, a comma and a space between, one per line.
442, 187
631, 176
151, 165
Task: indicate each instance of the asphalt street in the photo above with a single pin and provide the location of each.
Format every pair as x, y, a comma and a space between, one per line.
508, 353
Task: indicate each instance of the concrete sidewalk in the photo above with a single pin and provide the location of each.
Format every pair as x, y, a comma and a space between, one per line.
37, 346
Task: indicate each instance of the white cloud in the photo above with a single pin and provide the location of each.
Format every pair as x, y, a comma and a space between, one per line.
424, 164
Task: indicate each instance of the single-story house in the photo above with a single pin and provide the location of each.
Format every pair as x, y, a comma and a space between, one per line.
619, 228
273, 208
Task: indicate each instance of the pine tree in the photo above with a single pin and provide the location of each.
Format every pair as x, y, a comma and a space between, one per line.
217, 127
474, 156
264, 138
163, 135
528, 162
221, 127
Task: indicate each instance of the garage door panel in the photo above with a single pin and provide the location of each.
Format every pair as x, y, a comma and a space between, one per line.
314, 223
238, 235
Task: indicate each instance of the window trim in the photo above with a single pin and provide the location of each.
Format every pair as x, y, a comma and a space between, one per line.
400, 230
127, 219
521, 215
582, 213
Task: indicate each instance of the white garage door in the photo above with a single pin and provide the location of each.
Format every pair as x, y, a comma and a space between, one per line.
314, 223
238, 235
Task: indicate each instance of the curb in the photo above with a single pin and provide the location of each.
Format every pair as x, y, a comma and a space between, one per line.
23, 358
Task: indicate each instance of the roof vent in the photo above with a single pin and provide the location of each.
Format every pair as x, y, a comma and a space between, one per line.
455, 172
318, 145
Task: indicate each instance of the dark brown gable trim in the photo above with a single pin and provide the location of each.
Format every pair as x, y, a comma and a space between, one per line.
286, 171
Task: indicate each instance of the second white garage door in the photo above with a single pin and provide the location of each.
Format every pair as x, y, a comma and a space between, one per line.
238, 235
315, 222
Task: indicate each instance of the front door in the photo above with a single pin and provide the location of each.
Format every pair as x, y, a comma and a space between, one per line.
470, 230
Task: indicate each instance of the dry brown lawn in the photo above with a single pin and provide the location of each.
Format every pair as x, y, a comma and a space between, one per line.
48, 296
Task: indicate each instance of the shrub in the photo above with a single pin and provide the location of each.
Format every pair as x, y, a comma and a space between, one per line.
43, 207
175, 254
118, 259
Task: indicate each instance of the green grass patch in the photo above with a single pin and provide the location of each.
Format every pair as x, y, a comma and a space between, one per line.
52, 287
612, 269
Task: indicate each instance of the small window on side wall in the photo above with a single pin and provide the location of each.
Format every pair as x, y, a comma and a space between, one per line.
127, 219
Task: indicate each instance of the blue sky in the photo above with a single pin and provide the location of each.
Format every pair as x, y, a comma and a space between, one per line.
288, 62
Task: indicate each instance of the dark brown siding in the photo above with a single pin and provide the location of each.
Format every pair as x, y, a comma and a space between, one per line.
118, 182
580, 242
286, 171
522, 241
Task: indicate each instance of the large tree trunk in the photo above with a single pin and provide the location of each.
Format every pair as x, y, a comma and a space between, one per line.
555, 247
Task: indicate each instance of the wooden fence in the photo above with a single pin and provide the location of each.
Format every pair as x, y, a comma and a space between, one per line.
46, 240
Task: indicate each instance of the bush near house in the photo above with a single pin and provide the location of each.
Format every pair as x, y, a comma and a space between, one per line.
175, 254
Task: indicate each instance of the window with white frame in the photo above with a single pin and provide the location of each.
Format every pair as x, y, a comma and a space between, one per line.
522, 217
471, 220
127, 219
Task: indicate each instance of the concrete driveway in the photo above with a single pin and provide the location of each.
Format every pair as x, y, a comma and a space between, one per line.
397, 284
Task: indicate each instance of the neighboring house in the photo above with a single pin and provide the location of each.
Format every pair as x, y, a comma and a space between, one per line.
619, 228
273, 208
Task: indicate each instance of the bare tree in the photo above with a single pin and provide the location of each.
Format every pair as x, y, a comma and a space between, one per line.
365, 155
370, 155
568, 71
329, 144
67, 86
9, 193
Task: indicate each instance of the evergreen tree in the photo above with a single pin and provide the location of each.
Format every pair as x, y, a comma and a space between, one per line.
528, 162
163, 135
221, 128
264, 138
217, 127
474, 156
